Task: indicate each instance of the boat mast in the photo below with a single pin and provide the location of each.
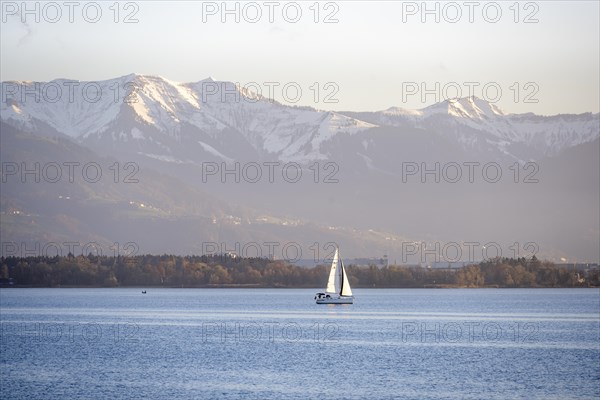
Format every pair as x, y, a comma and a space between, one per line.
341, 276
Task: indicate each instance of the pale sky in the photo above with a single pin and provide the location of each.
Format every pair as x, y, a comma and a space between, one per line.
377, 55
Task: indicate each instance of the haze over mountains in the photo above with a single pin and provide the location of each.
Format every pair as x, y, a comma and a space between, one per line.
220, 164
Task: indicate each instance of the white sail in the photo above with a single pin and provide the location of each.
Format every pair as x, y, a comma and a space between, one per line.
338, 288
333, 284
346, 289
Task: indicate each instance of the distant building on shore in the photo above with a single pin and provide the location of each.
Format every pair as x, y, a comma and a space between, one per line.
585, 267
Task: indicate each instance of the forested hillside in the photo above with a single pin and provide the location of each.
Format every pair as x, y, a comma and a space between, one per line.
210, 271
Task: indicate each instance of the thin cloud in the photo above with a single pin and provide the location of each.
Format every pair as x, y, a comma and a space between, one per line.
29, 32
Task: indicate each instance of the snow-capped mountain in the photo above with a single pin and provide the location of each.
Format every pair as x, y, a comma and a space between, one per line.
173, 128
184, 122
478, 124
173, 121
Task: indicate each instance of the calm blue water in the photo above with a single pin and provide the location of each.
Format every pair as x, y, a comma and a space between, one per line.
278, 344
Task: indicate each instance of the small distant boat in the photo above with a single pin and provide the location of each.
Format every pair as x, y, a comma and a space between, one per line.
338, 288
143, 292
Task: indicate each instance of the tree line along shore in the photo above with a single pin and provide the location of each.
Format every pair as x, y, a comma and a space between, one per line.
230, 271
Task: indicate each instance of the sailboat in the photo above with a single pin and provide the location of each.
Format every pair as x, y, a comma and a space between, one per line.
338, 288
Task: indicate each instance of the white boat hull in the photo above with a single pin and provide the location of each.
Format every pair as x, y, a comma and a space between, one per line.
336, 300
338, 289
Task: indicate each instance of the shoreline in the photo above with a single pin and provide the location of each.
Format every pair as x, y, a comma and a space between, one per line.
251, 286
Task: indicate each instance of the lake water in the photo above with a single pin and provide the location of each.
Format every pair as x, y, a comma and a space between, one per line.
278, 344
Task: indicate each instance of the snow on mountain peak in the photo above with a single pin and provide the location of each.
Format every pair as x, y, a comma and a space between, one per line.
143, 108
473, 122
466, 107
395, 111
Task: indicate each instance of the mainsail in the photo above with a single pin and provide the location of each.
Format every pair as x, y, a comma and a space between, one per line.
338, 280
333, 284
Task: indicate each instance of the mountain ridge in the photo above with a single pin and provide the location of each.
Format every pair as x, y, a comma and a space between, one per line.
196, 114
396, 171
